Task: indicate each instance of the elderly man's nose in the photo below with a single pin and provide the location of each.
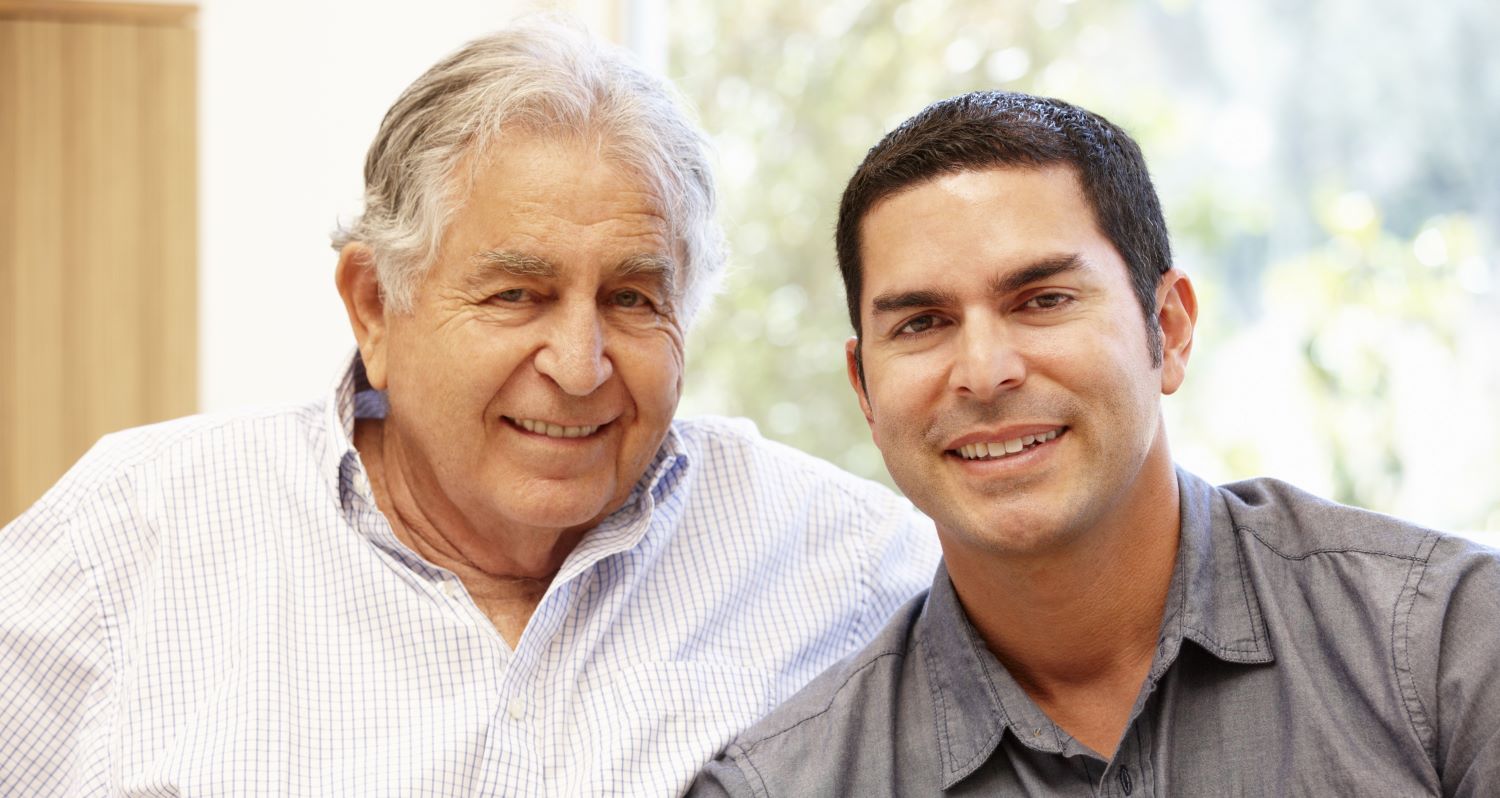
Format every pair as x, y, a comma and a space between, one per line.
573, 355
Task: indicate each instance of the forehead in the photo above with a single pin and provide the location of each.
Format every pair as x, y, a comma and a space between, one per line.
979, 221
554, 197
543, 169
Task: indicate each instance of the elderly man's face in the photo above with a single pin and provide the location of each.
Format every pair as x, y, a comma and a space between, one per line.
540, 367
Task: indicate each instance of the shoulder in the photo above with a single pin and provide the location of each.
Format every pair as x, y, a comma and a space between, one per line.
813, 559
740, 476
128, 472
732, 450
1295, 524
1336, 557
788, 500
1426, 599
736, 442
810, 737
1376, 554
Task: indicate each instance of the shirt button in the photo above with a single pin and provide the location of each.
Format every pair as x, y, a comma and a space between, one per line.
516, 708
450, 588
361, 483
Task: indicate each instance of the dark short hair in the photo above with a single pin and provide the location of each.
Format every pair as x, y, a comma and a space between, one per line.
995, 129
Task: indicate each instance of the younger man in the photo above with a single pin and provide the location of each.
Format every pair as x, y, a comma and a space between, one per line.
1104, 623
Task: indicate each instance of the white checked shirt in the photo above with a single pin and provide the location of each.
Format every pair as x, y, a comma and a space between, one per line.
214, 606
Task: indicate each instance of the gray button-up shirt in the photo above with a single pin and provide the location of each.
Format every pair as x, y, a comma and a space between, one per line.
1306, 649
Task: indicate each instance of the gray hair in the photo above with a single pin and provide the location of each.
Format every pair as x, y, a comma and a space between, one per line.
546, 76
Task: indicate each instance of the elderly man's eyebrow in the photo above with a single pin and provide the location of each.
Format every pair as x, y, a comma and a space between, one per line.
492, 263
659, 268
1035, 272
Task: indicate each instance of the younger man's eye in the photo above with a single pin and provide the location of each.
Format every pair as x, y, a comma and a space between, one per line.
917, 324
1048, 301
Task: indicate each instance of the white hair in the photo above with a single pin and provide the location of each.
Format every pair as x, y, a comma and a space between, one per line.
542, 76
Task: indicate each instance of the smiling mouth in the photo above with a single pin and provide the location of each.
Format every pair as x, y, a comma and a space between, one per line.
553, 430
997, 450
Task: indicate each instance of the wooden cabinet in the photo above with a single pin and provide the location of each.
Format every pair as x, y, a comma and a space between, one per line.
98, 241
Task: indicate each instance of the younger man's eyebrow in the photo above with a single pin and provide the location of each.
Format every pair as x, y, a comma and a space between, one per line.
1036, 272
906, 300
1010, 283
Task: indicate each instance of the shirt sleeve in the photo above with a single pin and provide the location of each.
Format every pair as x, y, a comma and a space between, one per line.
903, 564
54, 664
1458, 602
722, 778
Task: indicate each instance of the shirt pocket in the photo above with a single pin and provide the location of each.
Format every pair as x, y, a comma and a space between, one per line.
665, 720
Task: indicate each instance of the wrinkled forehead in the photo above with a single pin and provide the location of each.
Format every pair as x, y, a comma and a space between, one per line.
608, 149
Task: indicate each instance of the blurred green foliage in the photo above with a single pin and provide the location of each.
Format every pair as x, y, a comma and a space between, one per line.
1329, 172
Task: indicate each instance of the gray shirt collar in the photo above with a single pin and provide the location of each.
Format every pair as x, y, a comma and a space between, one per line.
975, 700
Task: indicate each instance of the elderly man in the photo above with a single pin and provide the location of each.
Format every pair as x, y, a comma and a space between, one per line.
1104, 624
490, 562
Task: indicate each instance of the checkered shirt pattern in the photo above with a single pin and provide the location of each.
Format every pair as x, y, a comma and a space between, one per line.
214, 606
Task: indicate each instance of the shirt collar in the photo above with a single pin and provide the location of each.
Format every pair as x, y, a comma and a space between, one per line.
338, 422
1211, 601
975, 699
637, 525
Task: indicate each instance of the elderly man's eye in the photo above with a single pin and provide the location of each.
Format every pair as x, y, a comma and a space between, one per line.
511, 295
630, 298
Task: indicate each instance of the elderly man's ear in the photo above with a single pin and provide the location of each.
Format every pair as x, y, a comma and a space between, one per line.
360, 289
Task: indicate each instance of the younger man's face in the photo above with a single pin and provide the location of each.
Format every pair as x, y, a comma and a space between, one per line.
1008, 379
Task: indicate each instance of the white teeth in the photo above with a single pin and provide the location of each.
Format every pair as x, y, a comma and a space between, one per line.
554, 430
976, 451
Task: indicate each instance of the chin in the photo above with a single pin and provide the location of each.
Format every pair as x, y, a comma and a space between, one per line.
552, 517
1010, 533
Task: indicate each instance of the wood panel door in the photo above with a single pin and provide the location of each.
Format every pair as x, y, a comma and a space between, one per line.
98, 239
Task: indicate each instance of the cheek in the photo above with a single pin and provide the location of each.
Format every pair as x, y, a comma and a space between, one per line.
413, 367
460, 374
897, 386
652, 372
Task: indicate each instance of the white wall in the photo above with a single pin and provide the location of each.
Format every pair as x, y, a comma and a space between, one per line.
290, 96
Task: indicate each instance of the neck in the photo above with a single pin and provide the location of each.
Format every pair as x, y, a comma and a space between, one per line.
506, 572
1076, 625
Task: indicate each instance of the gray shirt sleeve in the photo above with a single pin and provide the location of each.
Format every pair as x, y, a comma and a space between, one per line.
722, 778
1454, 662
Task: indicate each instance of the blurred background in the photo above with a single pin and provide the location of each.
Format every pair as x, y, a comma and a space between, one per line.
1329, 171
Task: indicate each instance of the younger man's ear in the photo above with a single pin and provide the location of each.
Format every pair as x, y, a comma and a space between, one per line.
1177, 313
360, 289
856, 380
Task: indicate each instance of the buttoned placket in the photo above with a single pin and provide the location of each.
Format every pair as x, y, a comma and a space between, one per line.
514, 706
1130, 773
